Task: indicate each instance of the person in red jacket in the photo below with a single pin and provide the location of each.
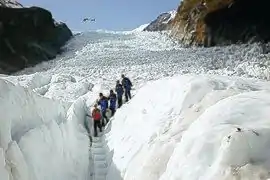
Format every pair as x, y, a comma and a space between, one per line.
96, 115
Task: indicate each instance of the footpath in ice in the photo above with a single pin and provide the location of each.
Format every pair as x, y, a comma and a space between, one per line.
192, 127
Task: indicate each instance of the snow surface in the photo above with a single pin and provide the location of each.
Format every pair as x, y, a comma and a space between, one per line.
178, 127
173, 14
40, 136
140, 28
185, 128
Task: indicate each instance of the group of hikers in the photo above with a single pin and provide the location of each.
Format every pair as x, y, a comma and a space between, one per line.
99, 115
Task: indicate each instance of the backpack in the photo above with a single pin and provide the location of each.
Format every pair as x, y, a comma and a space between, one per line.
96, 114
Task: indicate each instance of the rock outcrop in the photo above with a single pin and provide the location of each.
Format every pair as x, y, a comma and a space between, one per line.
219, 22
28, 36
162, 23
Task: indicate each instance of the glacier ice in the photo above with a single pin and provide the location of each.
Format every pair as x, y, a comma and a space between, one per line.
41, 138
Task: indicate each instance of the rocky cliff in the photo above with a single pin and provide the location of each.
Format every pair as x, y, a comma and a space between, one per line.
162, 22
28, 36
218, 22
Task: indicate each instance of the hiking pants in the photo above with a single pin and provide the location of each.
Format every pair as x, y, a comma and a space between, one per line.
104, 116
127, 94
97, 124
112, 110
119, 101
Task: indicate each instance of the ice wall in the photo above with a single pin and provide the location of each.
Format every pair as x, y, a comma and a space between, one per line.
41, 138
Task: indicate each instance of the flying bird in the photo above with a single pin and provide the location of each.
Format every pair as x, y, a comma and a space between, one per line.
89, 19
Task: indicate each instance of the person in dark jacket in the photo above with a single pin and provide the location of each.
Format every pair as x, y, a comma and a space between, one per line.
127, 86
119, 91
112, 98
103, 102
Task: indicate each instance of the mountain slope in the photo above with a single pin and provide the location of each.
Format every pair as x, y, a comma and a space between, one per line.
162, 22
217, 22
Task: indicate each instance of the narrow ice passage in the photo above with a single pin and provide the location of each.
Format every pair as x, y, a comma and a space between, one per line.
169, 129
99, 156
39, 127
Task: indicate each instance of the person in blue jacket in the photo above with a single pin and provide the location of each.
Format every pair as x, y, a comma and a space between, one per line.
119, 91
127, 86
103, 102
112, 98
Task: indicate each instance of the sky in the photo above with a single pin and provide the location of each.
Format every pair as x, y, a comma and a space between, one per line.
109, 14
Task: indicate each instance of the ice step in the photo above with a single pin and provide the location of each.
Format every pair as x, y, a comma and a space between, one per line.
97, 145
98, 140
101, 171
100, 165
98, 151
100, 177
98, 157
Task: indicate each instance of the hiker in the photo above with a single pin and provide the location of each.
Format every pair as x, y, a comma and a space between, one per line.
119, 91
103, 102
96, 115
126, 83
112, 98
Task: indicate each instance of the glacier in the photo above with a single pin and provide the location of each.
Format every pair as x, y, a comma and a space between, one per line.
185, 127
197, 113
41, 138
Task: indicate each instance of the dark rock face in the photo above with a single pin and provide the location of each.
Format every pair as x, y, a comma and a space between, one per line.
243, 21
222, 22
160, 24
29, 36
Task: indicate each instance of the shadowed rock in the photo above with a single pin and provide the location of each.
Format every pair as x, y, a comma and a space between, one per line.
244, 21
222, 22
29, 36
